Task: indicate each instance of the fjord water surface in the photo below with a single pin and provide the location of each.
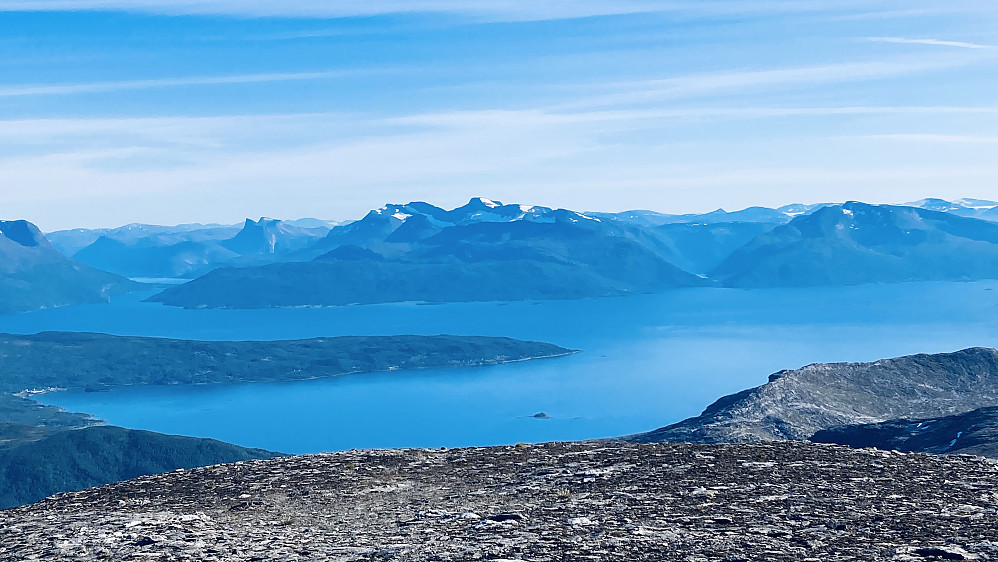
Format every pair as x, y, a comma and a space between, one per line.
646, 361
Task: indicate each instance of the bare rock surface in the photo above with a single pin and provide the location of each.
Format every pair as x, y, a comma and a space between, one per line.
558, 501
795, 404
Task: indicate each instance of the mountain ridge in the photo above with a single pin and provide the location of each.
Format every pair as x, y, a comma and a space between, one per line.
795, 404
34, 275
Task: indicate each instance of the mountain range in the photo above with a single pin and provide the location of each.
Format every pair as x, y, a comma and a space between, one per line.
486, 250
187, 251
35, 275
859, 243
482, 251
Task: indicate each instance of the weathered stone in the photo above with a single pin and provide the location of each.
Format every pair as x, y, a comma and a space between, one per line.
543, 503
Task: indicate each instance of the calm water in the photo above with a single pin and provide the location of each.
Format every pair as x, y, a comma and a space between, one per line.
646, 361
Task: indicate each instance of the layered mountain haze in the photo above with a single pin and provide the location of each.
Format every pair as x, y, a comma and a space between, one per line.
966, 207
72, 241
35, 275
187, 251
859, 243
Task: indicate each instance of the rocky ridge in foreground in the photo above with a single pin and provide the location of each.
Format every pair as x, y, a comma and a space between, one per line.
558, 501
795, 404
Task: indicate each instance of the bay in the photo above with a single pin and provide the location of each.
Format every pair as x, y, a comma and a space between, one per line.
645, 361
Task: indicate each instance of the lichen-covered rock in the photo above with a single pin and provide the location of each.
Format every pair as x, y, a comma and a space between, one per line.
551, 502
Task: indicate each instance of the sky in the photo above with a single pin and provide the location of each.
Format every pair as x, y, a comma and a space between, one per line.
178, 111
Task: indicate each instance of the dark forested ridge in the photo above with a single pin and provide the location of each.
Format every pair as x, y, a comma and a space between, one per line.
81, 458
96, 361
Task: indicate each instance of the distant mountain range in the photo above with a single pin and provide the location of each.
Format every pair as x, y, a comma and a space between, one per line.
486, 250
859, 243
973, 208
482, 251
797, 404
147, 251
766, 215
35, 275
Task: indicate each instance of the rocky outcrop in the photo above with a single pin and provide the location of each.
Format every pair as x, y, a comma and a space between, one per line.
974, 433
559, 501
795, 404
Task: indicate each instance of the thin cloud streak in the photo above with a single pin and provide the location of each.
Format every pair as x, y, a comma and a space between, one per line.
491, 10
707, 83
937, 42
123, 85
209, 131
935, 137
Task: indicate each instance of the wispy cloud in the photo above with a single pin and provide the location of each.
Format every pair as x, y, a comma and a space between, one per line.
122, 85
652, 91
174, 163
487, 9
936, 137
513, 9
937, 42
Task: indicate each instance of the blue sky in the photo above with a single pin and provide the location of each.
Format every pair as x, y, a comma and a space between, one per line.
168, 111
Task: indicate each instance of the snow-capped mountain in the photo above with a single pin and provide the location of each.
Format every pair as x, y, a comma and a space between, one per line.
419, 220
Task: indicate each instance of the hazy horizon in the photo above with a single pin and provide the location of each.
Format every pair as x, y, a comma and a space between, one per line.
242, 220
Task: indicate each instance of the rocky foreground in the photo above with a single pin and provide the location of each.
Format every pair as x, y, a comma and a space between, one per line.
560, 501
